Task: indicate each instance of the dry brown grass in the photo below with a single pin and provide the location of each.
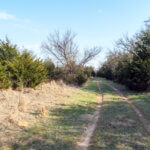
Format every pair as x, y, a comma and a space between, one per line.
20, 109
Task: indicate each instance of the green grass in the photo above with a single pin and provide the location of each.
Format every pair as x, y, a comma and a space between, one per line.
118, 126
140, 99
64, 126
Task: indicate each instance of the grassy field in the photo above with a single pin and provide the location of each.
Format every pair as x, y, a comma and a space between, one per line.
140, 99
62, 128
118, 126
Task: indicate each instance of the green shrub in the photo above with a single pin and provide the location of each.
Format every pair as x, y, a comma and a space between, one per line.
8, 53
5, 81
70, 79
19, 69
59, 73
81, 78
88, 71
28, 71
50, 67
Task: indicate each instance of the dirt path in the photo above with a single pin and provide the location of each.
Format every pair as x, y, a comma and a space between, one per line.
144, 121
84, 142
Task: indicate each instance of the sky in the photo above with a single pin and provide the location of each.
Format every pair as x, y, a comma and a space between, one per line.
27, 23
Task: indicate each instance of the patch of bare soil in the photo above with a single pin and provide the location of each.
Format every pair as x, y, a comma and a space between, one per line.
143, 119
84, 142
21, 109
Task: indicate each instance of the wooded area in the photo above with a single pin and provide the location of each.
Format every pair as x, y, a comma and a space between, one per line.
21, 68
129, 62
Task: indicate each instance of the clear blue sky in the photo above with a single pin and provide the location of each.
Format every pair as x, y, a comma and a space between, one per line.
96, 22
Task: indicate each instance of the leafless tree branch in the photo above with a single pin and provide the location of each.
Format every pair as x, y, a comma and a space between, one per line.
90, 54
65, 50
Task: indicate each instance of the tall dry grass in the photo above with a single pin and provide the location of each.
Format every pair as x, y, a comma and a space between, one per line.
20, 109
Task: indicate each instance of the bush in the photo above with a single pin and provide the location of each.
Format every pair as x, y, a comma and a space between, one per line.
8, 53
19, 69
81, 78
70, 79
5, 81
50, 67
138, 74
59, 74
28, 71
89, 71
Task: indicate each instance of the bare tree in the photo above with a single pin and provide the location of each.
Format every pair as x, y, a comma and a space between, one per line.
62, 48
125, 44
65, 50
89, 54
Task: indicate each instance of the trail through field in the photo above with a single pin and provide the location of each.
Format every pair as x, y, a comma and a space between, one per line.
144, 121
84, 142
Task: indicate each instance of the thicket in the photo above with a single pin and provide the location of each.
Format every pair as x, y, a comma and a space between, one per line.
22, 69
19, 69
129, 63
79, 76
72, 67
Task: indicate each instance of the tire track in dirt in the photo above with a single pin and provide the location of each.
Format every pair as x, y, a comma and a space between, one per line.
84, 142
144, 121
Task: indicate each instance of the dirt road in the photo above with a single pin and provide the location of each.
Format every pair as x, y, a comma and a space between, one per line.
83, 144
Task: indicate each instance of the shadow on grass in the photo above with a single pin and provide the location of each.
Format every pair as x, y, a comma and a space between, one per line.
60, 131
143, 104
118, 126
140, 99
143, 95
92, 87
37, 144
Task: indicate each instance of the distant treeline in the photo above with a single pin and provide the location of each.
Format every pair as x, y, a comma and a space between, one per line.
22, 69
129, 62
